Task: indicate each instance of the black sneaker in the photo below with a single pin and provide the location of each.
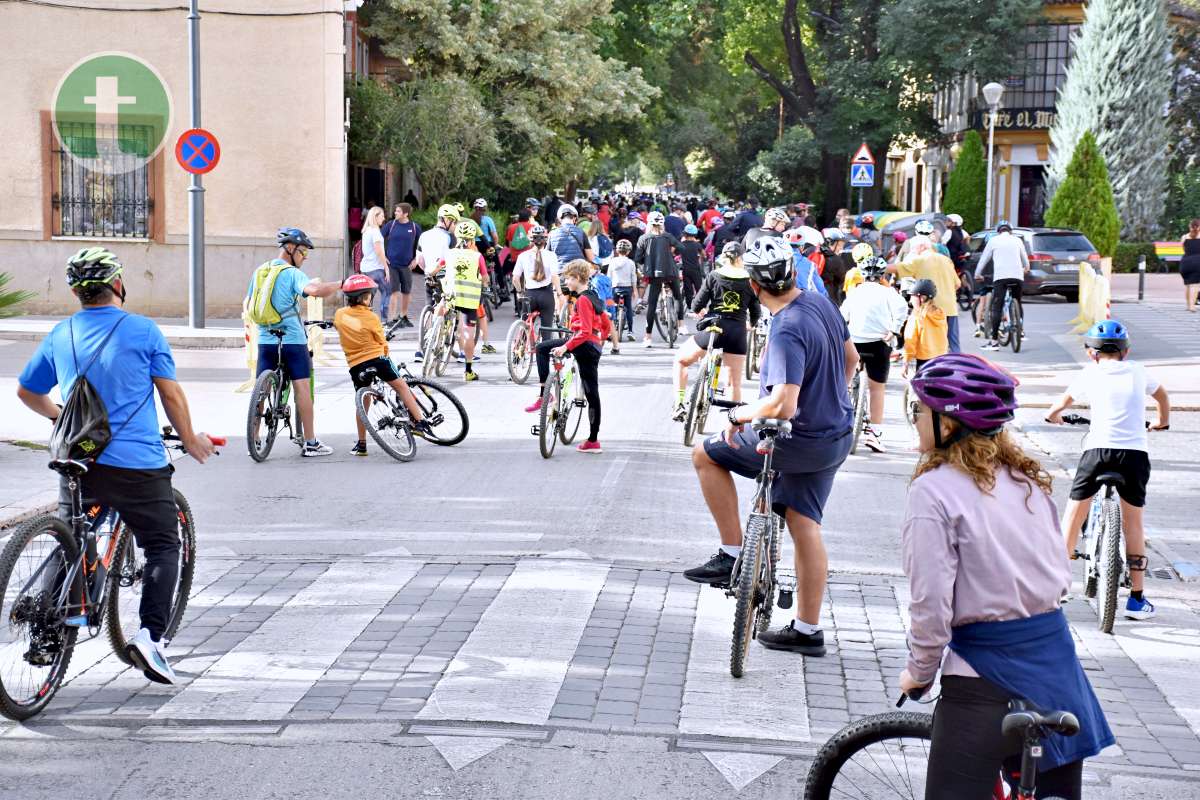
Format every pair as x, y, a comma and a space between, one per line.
788, 638
359, 449
423, 429
717, 570
405, 322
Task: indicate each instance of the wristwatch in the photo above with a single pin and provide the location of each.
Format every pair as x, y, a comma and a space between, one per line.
730, 414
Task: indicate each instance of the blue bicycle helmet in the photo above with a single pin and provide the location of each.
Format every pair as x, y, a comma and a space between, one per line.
1107, 336
1003, 225
295, 236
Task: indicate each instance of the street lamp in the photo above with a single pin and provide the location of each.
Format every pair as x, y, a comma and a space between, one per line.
991, 93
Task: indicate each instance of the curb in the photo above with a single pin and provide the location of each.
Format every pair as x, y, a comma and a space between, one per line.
41, 503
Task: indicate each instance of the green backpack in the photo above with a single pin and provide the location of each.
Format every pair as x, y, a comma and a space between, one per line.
520, 239
261, 310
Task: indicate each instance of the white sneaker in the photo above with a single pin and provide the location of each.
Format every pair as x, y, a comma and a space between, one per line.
315, 450
871, 439
148, 656
647, 343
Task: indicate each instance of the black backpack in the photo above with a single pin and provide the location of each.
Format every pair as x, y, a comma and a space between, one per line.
82, 432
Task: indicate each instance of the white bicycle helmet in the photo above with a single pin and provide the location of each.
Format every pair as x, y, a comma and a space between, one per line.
811, 236
923, 227
567, 210
776, 215
656, 219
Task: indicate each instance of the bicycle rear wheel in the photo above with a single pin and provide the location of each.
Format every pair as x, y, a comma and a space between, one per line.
35, 647
382, 414
448, 342
1110, 563
751, 354
262, 419
881, 756
858, 396
423, 324
442, 409
748, 591
572, 414
431, 345
1016, 325
519, 352
122, 608
691, 423
548, 417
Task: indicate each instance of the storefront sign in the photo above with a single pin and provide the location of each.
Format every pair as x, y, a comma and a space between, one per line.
1018, 119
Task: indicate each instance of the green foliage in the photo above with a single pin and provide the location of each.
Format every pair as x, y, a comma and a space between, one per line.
1183, 202
795, 160
966, 193
10, 299
1125, 259
1084, 201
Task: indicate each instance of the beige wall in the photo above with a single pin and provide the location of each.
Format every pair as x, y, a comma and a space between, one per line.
272, 91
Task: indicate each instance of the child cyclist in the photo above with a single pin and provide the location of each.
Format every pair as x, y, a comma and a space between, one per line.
1116, 388
875, 314
601, 284
464, 278
727, 298
925, 335
590, 326
361, 333
623, 274
985, 563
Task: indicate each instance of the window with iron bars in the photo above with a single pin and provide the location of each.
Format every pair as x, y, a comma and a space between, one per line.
100, 188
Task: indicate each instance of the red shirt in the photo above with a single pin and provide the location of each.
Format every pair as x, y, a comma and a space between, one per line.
587, 324
706, 218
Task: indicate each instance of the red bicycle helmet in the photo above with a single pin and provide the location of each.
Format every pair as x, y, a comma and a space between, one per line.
357, 284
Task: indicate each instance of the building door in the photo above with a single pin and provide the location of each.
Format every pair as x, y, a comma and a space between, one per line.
1031, 208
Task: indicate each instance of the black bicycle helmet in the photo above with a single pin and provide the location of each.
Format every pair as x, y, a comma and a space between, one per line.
732, 250
925, 287
295, 236
93, 265
769, 262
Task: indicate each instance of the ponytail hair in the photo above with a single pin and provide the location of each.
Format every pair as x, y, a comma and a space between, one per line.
539, 267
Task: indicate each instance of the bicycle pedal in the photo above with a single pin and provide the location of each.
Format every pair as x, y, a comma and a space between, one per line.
785, 599
536, 430
579, 401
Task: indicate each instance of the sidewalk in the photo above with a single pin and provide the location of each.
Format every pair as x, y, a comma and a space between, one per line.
23, 492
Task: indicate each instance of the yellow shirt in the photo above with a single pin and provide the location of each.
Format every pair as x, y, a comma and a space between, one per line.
926, 335
939, 269
361, 334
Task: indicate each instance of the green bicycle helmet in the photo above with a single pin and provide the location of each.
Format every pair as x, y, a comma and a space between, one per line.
93, 265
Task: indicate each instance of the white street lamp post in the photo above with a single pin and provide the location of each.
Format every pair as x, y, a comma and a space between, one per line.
991, 93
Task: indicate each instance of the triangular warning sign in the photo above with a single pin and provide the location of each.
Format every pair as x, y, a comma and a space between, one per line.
863, 156
862, 175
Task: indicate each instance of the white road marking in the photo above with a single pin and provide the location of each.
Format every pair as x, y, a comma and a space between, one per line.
513, 665
462, 750
742, 769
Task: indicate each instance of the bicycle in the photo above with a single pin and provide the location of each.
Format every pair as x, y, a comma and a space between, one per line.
440, 338
58, 577
562, 401
269, 402
965, 294
704, 389
444, 415
887, 755
619, 318
666, 316
521, 343
860, 398
756, 345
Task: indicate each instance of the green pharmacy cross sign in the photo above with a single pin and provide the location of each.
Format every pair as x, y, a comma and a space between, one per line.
112, 112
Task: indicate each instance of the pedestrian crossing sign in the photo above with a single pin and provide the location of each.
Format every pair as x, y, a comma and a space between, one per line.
862, 175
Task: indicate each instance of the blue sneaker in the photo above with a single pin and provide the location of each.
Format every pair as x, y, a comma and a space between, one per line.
1139, 610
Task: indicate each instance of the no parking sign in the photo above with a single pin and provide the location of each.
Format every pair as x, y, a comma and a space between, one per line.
197, 151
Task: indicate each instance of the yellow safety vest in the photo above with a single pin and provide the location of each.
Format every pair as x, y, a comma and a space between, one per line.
462, 278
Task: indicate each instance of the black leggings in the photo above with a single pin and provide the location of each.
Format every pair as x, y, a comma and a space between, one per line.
692, 279
656, 285
541, 300
1000, 291
587, 358
144, 499
968, 750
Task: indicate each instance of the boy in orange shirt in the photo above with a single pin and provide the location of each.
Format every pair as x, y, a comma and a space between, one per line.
926, 335
361, 333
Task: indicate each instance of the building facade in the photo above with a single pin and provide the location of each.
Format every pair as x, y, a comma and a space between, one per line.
272, 75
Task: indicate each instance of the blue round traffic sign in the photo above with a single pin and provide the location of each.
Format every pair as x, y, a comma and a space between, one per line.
197, 151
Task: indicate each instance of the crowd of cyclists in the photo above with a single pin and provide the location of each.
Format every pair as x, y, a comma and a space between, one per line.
983, 545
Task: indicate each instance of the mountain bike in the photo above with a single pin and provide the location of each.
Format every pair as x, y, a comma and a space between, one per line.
756, 345
520, 346
704, 390
58, 577
860, 398
562, 404
666, 316
887, 755
269, 402
756, 576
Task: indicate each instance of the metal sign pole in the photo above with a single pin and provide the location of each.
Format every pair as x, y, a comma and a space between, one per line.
860, 201
196, 189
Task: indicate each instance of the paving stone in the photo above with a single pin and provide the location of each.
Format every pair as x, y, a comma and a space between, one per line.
566, 711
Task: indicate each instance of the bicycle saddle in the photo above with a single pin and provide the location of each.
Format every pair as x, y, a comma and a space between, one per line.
65, 466
772, 427
280, 332
1024, 718
1111, 478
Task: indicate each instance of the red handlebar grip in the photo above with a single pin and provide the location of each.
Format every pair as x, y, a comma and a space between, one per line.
218, 441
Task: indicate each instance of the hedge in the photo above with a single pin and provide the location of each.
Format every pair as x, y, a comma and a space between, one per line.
1125, 259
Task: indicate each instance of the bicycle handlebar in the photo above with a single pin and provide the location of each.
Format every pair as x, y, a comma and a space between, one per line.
169, 435
320, 323
1076, 419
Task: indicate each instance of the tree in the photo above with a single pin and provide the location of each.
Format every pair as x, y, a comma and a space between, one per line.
1117, 86
1084, 201
966, 193
10, 299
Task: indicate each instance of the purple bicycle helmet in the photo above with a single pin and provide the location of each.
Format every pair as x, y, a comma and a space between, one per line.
970, 390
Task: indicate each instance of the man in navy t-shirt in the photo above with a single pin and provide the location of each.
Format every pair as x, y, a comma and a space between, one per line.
125, 358
806, 367
400, 236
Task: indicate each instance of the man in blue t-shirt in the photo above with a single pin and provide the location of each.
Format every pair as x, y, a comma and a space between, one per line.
125, 358
400, 236
567, 241
290, 287
806, 367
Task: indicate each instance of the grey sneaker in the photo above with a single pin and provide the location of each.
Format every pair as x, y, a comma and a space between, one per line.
316, 449
148, 656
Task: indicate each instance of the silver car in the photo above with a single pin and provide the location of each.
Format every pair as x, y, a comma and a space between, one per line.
1054, 258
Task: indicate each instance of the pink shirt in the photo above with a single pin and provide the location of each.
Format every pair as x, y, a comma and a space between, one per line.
974, 557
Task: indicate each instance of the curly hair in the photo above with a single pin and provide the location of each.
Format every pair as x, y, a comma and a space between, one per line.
980, 456
578, 269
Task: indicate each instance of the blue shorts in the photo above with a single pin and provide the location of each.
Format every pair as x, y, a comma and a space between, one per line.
804, 468
295, 360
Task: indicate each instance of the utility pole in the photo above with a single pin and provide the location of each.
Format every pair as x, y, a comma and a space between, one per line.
196, 189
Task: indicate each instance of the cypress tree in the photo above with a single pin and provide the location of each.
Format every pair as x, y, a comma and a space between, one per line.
1118, 87
1084, 200
966, 193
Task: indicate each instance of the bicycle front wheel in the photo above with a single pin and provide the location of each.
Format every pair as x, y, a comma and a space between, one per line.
423, 324
431, 345
882, 756
691, 423
748, 592
572, 417
910, 415
387, 421
444, 412
122, 607
548, 417
519, 352
262, 420
35, 645
1110, 563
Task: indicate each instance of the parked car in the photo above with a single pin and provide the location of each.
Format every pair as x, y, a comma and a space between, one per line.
1054, 258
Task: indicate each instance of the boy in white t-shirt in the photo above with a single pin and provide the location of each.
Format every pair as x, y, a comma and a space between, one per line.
1117, 442
623, 274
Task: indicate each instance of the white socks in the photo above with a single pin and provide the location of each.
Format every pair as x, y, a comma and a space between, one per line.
731, 550
800, 626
